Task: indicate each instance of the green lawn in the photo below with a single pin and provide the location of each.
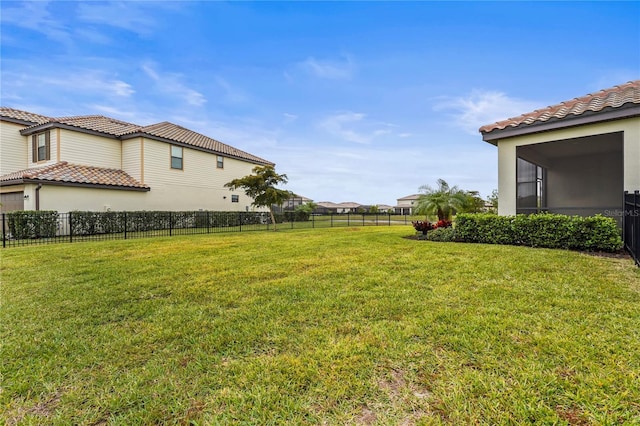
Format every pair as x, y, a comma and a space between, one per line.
331, 326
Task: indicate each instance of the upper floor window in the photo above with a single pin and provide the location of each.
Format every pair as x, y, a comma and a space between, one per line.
176, 157
41, 147
235, 198
220, 162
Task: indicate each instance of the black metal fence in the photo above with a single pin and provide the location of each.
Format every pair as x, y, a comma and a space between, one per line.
42, 227
631, 224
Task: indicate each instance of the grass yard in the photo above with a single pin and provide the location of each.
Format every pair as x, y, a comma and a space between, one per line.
334, 326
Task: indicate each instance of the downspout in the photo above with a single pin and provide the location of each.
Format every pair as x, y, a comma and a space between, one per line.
38, 188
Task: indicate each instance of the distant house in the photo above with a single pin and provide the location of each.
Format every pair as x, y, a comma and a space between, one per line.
406, 204
99, 163
385, 208
328, 207
292, 203
576, 157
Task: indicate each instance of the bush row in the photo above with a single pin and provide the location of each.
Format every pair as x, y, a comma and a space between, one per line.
594, 233
47, 224
32, 224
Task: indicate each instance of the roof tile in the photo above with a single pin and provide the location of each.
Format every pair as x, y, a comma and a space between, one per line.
615, 97
64, 172
23, 115
119, 128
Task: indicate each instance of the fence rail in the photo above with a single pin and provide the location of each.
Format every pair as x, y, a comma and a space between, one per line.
631, 224
44, 227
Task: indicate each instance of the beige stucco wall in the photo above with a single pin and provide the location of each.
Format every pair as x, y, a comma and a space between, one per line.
13, 148
68, 198
89, 150
507, 155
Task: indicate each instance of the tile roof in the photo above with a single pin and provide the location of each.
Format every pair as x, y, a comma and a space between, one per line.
23, 115
177, 133
122, 129
64, 172
98, 123
615, 97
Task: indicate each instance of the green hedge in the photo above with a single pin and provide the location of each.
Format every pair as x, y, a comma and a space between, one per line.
92, 223
595, 233
32, 224
447, 234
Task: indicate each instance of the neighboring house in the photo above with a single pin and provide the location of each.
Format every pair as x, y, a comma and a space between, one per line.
406, 204
385, 208
99, 163
326, 207
294, 202
576, 157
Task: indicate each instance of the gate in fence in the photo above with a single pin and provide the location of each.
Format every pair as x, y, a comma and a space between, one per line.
631, 224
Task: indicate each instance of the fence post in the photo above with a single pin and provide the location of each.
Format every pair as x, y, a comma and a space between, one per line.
389, 218
313, 221
362, 219
240, 220
332, 220
4, 232
70, 219
208, 222
125, 225
170, 224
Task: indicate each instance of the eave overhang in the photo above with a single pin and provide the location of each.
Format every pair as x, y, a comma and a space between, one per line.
588, 117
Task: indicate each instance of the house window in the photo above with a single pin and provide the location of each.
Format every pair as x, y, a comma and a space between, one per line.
530, 190
176, 157
220, 162
41, 147
235, 198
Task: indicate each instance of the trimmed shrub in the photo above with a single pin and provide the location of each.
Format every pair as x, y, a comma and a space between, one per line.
33, 224
596, 233
445, 234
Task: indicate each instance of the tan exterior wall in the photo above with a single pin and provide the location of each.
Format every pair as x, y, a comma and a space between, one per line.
89, 150
13, 148
507, 155
68, 198
199, 185
133, 157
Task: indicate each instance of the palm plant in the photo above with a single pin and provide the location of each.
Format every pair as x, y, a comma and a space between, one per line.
442, 201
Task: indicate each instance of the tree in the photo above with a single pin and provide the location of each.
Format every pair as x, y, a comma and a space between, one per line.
442, 201
261, 187
493, 200
473, 203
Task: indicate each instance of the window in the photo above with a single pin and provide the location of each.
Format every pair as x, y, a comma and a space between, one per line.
176, 157
41, 147
530, 196
235, 198
220, 162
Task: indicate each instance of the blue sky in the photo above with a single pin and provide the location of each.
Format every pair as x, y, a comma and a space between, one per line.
354, 101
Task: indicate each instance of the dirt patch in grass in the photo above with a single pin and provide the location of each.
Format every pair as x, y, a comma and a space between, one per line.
43, 409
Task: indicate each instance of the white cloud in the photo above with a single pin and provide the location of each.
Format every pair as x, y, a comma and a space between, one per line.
171, 84
289, 118
135, 17
79, 81
35, 16
353, 127
329, 69
484, 107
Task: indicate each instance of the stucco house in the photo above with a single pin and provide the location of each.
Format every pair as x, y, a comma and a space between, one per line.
406, 204
99, 163
577, 157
